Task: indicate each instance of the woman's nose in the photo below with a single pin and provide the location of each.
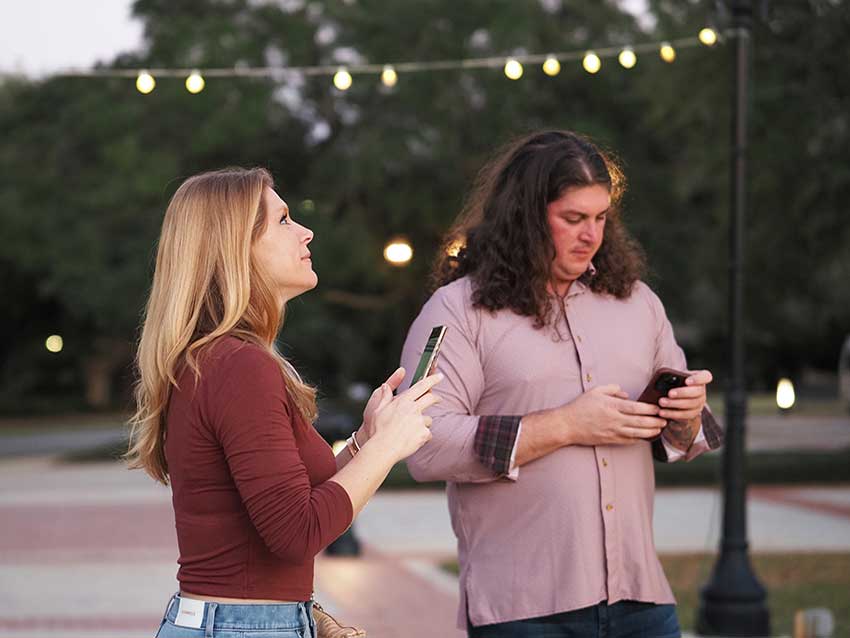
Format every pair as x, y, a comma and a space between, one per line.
308, 235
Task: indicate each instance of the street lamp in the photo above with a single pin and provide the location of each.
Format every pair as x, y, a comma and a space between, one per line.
733, 602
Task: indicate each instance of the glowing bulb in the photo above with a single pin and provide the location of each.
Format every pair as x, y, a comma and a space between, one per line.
513, 69
342, 80
54, 343
785, 394
398, 252
708, 37
667, 52
145, 82
454, 247
591, 62
389, 77
551, 67
627, 58
195, 82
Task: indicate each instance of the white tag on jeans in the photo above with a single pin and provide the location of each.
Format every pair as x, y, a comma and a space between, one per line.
190, 613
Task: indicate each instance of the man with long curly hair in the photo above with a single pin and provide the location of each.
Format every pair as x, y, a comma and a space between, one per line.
548, 455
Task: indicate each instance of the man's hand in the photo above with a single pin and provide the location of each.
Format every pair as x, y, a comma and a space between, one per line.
606, 416
683, 407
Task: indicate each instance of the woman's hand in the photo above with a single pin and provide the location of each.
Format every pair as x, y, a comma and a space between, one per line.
399, 423
381, 396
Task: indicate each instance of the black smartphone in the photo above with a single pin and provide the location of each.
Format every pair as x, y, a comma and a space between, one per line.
664, 380
428, 360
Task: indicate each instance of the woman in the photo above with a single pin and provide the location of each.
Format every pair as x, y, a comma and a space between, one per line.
226, 420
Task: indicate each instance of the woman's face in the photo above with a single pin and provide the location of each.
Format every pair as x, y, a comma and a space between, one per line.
282, 250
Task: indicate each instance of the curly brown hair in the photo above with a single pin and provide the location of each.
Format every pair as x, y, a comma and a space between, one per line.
502, 238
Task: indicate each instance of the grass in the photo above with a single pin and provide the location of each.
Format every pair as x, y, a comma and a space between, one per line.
793, 581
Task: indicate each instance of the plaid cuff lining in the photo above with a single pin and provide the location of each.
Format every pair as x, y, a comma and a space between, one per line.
494, 441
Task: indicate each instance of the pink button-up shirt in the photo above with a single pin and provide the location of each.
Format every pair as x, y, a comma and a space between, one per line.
569, 529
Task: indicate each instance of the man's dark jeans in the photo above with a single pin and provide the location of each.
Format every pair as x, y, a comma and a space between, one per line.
625, 619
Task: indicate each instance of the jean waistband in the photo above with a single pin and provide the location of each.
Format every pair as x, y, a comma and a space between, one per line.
281, 616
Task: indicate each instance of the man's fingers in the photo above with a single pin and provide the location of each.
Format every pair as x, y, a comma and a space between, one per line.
685, 393
611, 389
699, 377
646, 422
681, 404
637, 407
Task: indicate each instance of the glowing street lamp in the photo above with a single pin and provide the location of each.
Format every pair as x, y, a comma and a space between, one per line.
785, 397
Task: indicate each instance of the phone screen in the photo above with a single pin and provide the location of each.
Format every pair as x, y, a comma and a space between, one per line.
429, 355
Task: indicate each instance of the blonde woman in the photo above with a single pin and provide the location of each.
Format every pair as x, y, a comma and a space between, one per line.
227, 421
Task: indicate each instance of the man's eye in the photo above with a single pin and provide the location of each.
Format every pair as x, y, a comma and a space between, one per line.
601, 218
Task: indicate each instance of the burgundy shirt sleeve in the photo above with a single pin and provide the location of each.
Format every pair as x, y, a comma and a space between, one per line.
253, 419
495, 438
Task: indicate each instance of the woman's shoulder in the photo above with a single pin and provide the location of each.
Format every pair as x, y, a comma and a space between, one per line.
230, 355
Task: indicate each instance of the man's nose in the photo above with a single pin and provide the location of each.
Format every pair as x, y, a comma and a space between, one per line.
588, 232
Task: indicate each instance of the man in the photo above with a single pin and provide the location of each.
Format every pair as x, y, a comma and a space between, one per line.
548, 456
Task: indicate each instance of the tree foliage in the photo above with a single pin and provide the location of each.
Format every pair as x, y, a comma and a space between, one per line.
88, 165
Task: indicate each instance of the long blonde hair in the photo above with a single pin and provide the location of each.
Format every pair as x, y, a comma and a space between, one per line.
206, 284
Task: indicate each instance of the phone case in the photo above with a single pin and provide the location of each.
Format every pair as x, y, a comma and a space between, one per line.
652, 393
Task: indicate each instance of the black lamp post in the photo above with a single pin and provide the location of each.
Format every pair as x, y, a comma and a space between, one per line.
733, 602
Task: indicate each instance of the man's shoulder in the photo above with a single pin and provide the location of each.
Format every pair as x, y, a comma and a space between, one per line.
457, 294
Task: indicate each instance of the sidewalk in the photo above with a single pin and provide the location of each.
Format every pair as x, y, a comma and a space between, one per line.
89, 550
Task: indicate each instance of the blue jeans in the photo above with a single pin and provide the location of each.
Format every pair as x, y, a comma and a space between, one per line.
625, 619
219, 620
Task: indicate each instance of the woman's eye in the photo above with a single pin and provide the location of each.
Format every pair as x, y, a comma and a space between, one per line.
284, 219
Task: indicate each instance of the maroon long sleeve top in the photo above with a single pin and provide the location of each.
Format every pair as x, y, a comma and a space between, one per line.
253, 503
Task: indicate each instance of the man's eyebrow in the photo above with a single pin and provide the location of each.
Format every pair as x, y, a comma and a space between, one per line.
570, 211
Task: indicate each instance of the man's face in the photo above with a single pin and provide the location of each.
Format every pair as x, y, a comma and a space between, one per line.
576, 222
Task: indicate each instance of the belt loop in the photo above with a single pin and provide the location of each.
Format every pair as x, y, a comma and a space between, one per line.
210, 620
307, 618
171, 604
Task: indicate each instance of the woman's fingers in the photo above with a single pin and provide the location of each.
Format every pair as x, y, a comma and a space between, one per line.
426, 401
395, 379
421, 387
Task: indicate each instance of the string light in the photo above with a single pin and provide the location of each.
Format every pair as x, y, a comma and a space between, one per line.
388, 73
342, 79
54, 343
667, 52
513, 69
195, 82
388, 76
627, 58
591, 62
145, 82
551, 66
708, 37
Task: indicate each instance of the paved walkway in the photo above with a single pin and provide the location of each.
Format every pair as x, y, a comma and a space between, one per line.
89, 550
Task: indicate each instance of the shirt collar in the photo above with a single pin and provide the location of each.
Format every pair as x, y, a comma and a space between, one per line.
580, 284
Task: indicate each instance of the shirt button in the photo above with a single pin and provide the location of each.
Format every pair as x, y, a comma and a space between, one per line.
578, 338
605, 462
609, 507
589, 378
